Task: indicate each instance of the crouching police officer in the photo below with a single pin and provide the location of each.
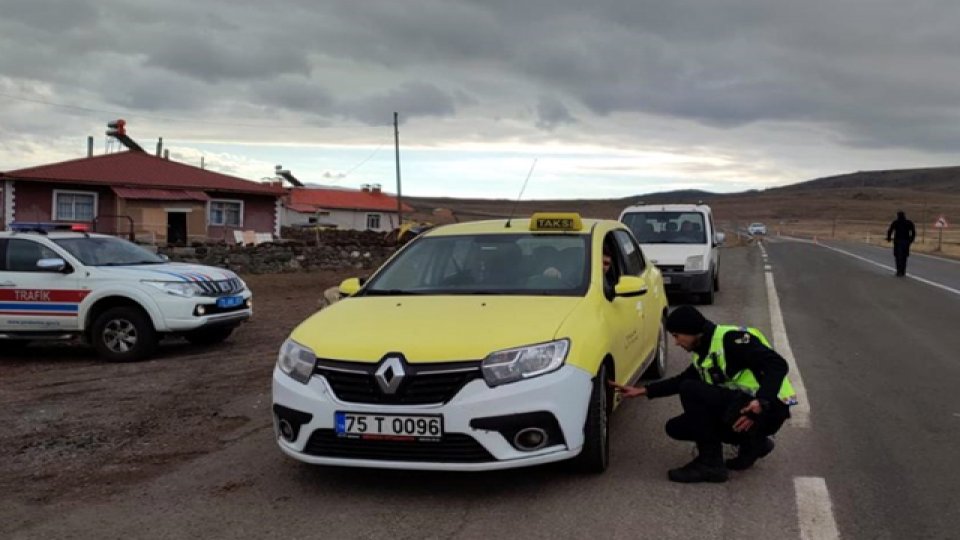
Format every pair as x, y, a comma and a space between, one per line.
736, 391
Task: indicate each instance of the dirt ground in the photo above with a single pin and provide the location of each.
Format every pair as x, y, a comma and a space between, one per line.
76, 426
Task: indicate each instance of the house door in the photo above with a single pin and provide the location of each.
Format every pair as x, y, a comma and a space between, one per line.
176, 228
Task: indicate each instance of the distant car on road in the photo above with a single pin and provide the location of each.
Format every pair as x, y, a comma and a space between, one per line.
756, 229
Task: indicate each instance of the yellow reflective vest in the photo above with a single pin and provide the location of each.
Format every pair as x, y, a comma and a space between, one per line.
745, 379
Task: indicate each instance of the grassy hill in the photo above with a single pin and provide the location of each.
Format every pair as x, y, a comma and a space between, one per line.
865, 196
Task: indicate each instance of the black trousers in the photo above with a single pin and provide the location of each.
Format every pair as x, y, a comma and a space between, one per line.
709, 413
901, 250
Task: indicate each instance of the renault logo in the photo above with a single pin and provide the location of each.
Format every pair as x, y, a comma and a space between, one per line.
390, 374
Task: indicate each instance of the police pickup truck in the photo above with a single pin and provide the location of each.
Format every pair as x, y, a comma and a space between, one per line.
59, 282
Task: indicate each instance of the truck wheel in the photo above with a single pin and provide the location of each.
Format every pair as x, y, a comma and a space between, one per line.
595, 455
209, 336
124, 334
658, 368
716, 282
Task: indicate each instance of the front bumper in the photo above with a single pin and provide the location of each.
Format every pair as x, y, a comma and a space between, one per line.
179, 314
686, 282
563, 394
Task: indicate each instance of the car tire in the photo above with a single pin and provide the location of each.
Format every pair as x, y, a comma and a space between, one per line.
209, 336
658, 368
595, 455
124, 334
716, 282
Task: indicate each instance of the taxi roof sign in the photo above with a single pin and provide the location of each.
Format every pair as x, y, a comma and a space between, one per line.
556, 221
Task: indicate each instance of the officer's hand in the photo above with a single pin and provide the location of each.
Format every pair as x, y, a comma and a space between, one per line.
627, 391
744, 423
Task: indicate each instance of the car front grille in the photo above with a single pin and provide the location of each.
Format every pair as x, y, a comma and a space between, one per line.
224, 287
670, 268
452, 447
422, 384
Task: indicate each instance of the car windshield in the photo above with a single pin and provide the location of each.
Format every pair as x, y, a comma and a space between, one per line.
667, 227
107, 251
522, 264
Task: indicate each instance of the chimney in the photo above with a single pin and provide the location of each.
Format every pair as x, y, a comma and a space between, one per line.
203, 164
89, 146
375, 188
166, 154
365, 188
159, 146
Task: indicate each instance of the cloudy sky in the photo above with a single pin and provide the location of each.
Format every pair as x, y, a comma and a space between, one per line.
610, 97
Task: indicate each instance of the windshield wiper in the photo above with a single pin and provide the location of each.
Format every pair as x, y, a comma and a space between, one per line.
391, 292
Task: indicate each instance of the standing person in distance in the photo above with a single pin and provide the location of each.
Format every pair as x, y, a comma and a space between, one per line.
902, 232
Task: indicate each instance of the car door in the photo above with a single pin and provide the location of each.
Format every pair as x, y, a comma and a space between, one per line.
646, 306
621, 316
33, 299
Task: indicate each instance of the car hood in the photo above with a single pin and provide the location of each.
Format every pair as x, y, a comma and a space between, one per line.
672, 254
166, 272
432, 328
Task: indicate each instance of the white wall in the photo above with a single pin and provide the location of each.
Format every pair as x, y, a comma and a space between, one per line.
344, 219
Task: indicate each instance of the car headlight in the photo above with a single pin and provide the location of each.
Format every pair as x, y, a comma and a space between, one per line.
176, 288
512, 365
296, 361
693, 264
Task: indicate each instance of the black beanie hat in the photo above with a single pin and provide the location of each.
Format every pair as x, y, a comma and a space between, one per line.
686, 320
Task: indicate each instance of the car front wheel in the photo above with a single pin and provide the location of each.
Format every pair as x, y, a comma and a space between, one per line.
595, 455
124, 334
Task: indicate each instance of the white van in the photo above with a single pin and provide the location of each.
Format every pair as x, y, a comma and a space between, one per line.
681, 240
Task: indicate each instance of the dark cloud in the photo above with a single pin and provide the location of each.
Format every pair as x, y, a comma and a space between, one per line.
551, 112
875, 74
411, 100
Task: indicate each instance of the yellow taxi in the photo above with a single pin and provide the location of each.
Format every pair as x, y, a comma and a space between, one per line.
477, 346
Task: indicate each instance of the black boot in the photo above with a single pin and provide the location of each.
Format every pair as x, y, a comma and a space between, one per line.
706, 467
698, 471
750, 452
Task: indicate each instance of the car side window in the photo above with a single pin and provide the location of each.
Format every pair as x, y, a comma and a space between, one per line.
22, 255
632, 256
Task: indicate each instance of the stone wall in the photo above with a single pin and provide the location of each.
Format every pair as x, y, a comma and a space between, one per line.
337, 250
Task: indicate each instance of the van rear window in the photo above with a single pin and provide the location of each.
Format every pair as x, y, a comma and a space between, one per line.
667, 227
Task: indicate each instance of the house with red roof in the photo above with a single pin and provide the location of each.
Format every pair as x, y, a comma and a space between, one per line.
150, 197
368, 208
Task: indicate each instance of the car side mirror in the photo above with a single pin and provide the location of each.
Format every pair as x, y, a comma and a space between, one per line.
349, 286
630, 286
719, 238
52, 265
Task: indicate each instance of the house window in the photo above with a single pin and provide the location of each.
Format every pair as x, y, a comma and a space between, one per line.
373, 221
74, 205
226, 213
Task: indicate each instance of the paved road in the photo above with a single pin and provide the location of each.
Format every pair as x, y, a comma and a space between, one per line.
878, 357
945, 272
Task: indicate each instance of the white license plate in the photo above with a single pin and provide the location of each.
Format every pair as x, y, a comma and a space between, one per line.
666, 280
389, 426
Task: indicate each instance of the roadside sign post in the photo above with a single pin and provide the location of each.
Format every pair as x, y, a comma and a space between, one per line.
941, 224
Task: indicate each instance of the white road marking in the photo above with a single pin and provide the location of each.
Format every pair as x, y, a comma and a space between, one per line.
814, 509
767, 268
799, 413
888, 268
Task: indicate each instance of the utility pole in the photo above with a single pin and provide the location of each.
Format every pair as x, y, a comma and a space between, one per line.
396, 139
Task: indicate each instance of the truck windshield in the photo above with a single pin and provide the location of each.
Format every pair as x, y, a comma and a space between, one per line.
107, 251
667, 227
